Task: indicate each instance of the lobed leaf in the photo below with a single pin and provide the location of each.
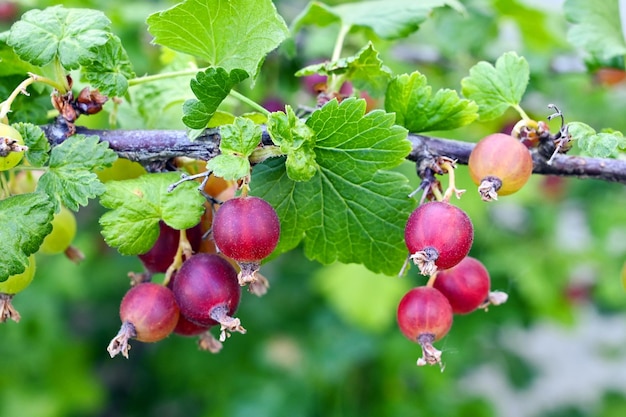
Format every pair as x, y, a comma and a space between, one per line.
596, 27
365, 70
606, 144
210, 87
238, 141
240, 138
496, 88
352, 210
137, 205
11, 62
24, 223
59, 33
69, 179
296, 140
389, 19
227, 33
110, 69
35, 139
416, 108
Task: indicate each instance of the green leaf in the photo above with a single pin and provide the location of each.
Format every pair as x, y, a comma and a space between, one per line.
137, 205
389, 19
240, 138
24, 222
496, 88
229, 167
11, 63
210, 87
35, 139
238, 141
353, 209
296, 140
69, 179
596, 27
605, 144
226, 33
110, 69
417, 109
365, 70
57, 33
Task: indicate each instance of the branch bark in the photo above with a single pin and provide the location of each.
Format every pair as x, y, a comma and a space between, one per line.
155, 147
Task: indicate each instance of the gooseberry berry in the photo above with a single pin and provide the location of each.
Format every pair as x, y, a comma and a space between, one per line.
500, 165
11, 147
465, 285
13, 285
208, 292
63, 232
246, 230
438, 236
148, 312
425, 316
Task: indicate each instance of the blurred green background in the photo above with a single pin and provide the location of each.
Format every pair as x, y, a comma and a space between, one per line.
323, 341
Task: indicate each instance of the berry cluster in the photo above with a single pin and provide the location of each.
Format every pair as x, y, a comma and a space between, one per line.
439, 237
202, 287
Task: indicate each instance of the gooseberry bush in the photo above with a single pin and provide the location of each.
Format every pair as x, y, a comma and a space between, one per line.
204, 208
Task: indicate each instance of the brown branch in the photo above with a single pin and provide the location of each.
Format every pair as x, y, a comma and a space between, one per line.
157, 146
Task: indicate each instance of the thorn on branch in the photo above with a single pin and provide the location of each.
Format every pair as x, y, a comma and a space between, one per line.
185, 178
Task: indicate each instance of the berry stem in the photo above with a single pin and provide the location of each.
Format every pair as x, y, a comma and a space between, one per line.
431, 280
448, 166
184, 248
163, 76
256, 106
437, 193
335, 80
245, 187
521, 112
193, 71
5, 106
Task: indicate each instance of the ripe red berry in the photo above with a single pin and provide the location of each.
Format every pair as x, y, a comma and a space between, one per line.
184, 326
425, 316
148, 312
466, 285
208, 292
162, 253
187, 328
438, 236
500, 165
246, 230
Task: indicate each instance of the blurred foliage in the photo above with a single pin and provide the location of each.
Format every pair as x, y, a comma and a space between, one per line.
323, 341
